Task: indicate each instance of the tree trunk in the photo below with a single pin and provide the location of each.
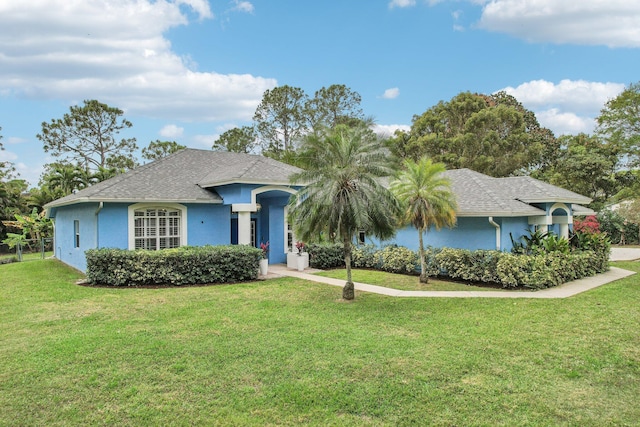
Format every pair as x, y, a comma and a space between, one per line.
423, 263
348, 292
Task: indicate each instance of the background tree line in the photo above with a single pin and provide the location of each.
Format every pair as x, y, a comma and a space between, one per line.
492, 134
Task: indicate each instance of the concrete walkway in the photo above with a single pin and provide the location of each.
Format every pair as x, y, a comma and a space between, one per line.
622, 253
562, 291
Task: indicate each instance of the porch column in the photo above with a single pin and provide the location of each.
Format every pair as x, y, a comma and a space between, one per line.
564, 230
244, 221
244, 228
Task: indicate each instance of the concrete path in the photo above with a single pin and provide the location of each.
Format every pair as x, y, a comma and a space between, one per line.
622, 253
562, 291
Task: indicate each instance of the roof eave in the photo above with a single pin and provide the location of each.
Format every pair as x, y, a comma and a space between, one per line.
245, 181
136, 200
577, 200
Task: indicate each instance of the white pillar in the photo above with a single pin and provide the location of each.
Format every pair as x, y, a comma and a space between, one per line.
564, 230
543, 228
244, 228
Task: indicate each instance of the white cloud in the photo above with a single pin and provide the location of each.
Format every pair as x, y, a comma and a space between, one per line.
7, 156
115, 51
568, 107
391, 93
171, 131
401, 3
243, 6
205, 141
614, 23
388, 130
12, 140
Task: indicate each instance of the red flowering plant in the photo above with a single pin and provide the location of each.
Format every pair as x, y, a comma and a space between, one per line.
589, 225
300, 247
265, 249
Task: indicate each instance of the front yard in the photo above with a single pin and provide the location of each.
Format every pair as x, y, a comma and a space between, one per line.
289, 352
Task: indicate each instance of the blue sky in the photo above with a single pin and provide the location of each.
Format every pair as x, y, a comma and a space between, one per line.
187, 70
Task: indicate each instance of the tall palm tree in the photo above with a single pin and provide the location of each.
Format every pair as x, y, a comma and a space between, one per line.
342, 193
426, 198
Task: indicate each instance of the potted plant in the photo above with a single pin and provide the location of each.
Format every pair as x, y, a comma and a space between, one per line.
264, 262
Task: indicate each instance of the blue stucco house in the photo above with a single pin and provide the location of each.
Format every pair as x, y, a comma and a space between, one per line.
198, 197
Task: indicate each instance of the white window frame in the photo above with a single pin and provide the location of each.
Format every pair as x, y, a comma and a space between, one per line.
141, 206
76, 233
288, 232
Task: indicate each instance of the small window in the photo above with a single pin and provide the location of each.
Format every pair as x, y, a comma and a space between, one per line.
76, 234
361, 237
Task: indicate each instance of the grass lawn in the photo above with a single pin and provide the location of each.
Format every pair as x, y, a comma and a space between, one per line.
403, 282
289, 352
27, 256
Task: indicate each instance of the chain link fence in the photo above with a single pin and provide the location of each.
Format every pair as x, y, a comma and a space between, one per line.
30, 249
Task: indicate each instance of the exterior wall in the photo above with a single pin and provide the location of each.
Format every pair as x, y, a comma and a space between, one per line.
470, 233
112, 226
64, 240
208, 225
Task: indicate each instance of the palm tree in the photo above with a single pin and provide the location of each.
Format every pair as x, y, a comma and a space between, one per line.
342, 193
65, 177
426, 198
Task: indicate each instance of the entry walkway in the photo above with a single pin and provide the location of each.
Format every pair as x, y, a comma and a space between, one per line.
563, 291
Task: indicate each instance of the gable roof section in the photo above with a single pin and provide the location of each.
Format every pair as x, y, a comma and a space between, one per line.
247, 169
184, 177
481, 195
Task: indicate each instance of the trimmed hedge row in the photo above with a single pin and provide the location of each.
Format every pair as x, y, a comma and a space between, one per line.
187, 265
506, 269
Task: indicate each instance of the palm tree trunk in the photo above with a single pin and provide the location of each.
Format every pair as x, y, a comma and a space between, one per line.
348, 292
423, 262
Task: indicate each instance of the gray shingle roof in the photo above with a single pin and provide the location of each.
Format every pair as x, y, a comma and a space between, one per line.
184, 176
481, 195
189, 175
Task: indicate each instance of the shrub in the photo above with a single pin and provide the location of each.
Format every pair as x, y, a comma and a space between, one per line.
398, 259
326, 255
180, 266
430, 257
365, 256
474, 266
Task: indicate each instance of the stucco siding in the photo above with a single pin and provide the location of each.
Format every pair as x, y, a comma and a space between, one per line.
208, 225
112, 226
65, 233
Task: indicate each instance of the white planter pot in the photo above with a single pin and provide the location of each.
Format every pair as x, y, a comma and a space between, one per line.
293, 260
300, 262
264, 266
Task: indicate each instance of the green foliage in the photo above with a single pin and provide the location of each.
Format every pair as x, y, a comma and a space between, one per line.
237, 140
547, 270
398, 259
473, 266
87, 136
619, 230
365, 256
180, 266
491, 134
280, 119
159, 149
619, 122
332, 106
325, 255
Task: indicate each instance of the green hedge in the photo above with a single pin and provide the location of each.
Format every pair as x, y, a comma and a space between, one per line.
325, 255
186, 265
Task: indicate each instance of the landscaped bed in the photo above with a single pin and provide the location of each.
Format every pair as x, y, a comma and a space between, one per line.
290, 352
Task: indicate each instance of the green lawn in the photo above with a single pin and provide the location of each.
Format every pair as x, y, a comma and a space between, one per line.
403, 282
289, 352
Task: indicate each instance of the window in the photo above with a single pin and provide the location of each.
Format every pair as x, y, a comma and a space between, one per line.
361, 237
76, 234
157, 228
